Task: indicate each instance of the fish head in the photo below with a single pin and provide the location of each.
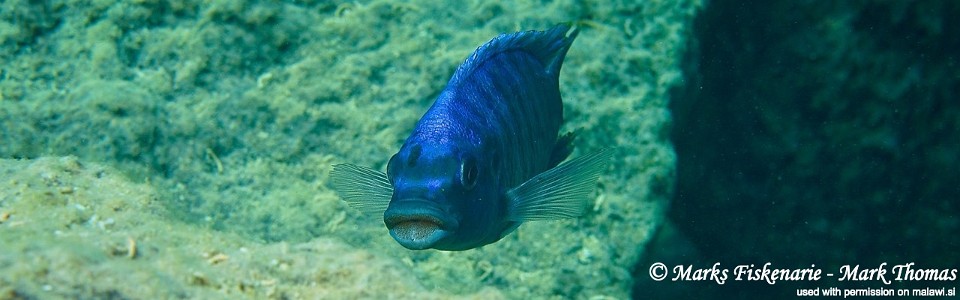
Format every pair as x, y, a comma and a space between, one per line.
433, 187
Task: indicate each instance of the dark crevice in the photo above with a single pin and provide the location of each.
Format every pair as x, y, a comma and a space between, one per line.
816, 133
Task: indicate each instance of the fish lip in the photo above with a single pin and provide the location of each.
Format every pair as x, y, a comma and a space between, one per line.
418, 223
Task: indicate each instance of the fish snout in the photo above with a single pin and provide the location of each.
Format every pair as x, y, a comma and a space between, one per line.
418, 223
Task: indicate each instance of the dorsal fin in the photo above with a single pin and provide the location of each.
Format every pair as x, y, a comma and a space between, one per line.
549, 47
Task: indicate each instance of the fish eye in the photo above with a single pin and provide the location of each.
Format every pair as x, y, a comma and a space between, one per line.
469, 173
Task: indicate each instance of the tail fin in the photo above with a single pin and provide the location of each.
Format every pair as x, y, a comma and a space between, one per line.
553, 46
550, 47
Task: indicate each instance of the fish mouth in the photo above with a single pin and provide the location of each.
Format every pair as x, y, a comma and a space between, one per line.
418, 223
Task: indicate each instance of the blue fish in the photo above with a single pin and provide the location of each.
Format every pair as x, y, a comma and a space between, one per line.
486, 156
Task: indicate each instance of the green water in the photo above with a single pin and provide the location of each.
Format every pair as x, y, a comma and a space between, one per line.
159, 149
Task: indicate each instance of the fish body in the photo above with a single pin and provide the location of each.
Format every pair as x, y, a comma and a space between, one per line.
484, 157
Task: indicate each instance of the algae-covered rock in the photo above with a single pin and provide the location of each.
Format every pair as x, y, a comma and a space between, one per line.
232, 112
79, 230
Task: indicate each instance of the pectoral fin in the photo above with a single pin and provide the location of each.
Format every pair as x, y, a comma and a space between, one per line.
363, 188
560, 192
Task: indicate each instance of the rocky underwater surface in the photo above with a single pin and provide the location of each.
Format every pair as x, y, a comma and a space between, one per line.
819, 133
167, 149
